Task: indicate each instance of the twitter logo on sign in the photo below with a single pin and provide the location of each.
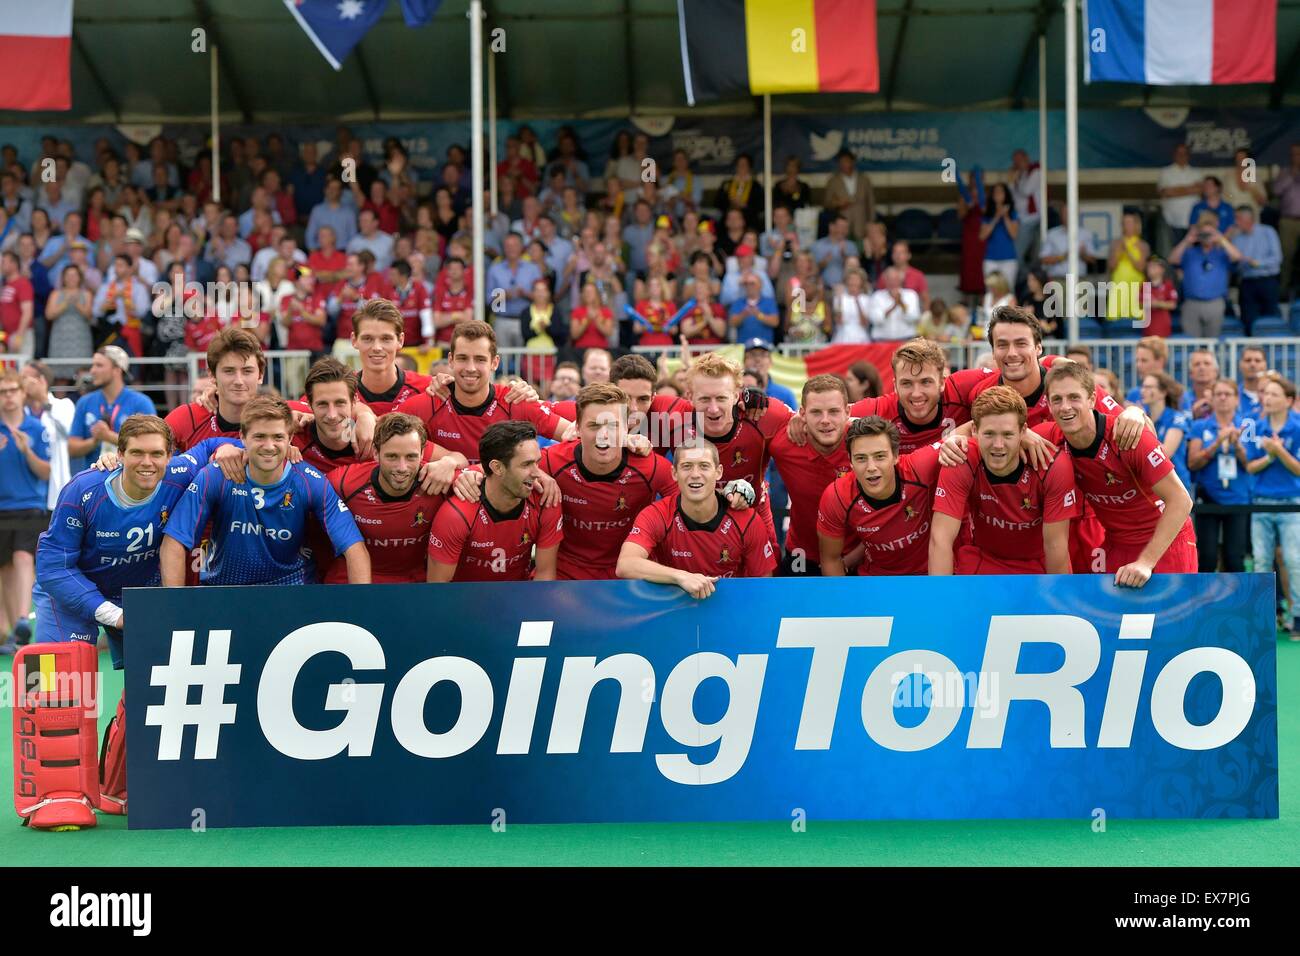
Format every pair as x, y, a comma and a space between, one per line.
825, 147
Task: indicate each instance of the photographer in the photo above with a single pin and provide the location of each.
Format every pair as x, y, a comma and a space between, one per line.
1206, 258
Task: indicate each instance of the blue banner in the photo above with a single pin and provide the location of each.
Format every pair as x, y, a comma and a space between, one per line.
1108, 139
960, 697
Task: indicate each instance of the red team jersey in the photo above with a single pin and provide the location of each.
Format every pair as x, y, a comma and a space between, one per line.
396, 530
458, 427
411, 303
1007, 513
667, 421
408, 385
599, 509
968, 384
192, 423
1118, 486
948, 415
316, 454
735, 544
744, 453
486, 545
895, 530
806, 473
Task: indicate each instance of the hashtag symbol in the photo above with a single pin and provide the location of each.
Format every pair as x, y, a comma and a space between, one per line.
177, 676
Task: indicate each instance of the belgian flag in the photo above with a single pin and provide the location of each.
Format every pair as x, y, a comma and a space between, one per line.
751, 47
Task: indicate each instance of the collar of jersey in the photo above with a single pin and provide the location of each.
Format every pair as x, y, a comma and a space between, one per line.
511, 515
328, 452
737, 416
588, 475
387, 396
474, 409
877, 503
288, 473
385, 496
1091, 450
223, 425
121, 500
1033, 399
711, 524
1010, 479
935, 422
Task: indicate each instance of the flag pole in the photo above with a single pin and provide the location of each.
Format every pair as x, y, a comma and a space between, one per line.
1071, 163
1042, 138
767, 162
216, 127
476, 144
492, 130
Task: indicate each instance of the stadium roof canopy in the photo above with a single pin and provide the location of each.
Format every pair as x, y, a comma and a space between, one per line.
132, 62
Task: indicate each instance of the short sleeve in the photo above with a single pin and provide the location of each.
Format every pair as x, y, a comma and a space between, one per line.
760, 557
551, 527
447, 535
831, 513
335, 517
1148, 460
953, 491
1060, 496
648, 530
194, 507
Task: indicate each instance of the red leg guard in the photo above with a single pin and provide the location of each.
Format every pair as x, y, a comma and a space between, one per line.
55, 764
112, 763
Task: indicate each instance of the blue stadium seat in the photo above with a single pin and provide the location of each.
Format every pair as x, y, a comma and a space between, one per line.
914, 225
1232, 328
1267, 325
1089, 328
947, 227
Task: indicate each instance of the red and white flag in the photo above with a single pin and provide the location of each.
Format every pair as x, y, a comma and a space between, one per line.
35, 54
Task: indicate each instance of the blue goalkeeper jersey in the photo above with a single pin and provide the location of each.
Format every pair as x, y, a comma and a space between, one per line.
99, 542
259, 532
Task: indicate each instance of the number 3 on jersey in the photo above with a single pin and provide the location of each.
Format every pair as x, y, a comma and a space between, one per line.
259, 498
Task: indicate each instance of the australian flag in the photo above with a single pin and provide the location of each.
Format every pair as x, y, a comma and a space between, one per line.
336, 26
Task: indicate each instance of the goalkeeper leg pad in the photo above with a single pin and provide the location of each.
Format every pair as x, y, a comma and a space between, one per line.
56, 767
112, 764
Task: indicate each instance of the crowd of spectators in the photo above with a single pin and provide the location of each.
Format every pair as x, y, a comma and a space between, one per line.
584, 251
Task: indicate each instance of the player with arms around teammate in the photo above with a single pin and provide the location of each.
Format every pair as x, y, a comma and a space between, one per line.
808, 469
1135, 493
104, 536
473, 402
1020, 515
693, 538
392, 513
492, 539
238, 366
885, 503
259, 526
603, 485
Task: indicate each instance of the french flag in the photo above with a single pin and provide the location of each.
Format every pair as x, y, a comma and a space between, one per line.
35, 55
1180, 42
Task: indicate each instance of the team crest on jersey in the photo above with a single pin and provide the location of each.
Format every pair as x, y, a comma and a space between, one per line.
725, 557
287, 501
1112, 478
420, 519
841, 471
621, 504
525, 538
738, 458
1025, 503
909, 512
162, 519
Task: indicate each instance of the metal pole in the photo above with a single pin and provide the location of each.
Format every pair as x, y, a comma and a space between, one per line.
1072, 163
216, 128
1042, 138
476, 145
492, 129
767, 162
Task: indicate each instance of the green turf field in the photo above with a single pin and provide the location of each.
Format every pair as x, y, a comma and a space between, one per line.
930, 843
